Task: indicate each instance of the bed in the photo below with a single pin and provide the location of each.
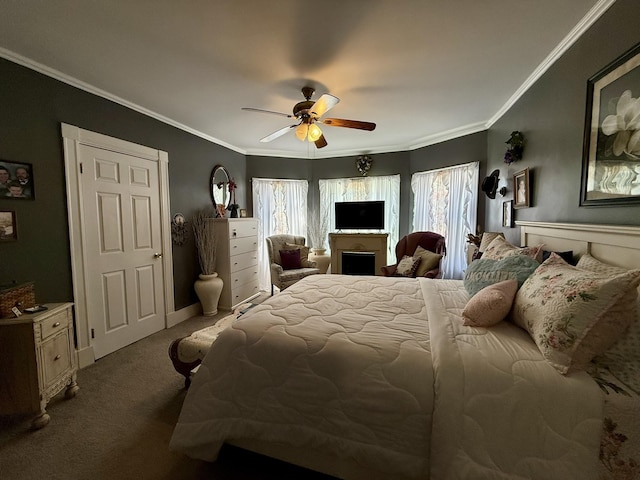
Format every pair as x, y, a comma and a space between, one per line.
378, 377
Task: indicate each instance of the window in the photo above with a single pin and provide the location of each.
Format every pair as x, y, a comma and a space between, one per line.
445, 201
280, 207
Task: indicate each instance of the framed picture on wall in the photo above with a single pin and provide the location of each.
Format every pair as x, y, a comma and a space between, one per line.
521, 189
8, 230
611, 152
16, 181
507, 214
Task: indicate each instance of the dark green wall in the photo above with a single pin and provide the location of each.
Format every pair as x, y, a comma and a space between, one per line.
551, 114
33, 106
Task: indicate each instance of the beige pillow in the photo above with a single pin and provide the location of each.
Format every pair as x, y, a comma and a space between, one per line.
487, 238
499, 248
407, 266
587, 262
574, 314
304, 253
491, 304
428, 260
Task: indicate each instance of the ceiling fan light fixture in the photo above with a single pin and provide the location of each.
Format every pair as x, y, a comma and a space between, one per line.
314, 132
301, 131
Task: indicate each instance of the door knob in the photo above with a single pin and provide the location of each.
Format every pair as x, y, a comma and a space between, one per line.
157, 255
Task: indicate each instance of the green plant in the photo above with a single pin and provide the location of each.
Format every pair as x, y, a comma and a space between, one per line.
515, 149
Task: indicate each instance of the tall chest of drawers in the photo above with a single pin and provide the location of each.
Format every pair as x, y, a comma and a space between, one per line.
37, 361
237, 260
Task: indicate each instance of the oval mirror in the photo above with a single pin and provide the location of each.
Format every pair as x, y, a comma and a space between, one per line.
220, 186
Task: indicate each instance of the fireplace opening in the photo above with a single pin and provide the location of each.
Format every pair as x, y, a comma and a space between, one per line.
358, 263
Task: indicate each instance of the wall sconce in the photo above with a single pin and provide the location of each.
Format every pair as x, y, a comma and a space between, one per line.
178, 229
502, 191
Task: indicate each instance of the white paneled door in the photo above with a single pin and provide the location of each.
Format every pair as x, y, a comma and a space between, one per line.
120, 201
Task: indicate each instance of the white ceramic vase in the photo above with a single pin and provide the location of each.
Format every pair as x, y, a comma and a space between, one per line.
322, 260
208, 288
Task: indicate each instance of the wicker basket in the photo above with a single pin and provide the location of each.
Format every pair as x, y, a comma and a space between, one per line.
21, 296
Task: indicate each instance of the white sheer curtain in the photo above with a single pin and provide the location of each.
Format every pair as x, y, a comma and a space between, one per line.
386, 187
280, 207
446, 202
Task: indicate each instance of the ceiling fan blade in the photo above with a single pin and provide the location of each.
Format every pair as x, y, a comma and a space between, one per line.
341, 122
321, 142
325, 103
277, 133
259, 110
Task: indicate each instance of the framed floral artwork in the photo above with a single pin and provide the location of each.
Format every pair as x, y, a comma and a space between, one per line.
611, 152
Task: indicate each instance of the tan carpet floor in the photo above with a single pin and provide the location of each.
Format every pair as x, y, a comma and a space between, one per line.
120, 423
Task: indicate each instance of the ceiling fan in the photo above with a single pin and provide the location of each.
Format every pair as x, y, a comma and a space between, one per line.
308, 113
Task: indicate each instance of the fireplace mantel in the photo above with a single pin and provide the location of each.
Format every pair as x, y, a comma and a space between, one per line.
358, 242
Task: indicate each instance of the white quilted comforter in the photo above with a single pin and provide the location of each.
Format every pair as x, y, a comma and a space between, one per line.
342, 365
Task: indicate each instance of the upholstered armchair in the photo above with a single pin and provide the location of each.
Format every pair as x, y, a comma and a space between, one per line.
287, 270
431, 253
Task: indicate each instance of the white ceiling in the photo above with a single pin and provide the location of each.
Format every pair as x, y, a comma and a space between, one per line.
423, 70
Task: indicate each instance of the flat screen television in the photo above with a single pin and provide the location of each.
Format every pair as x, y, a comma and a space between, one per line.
360, 215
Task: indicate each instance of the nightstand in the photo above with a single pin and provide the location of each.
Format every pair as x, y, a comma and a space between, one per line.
37, 361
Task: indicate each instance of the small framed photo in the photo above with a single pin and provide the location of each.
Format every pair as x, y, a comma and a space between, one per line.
243, 213
16, 181
507, 214
521, 188
8, 230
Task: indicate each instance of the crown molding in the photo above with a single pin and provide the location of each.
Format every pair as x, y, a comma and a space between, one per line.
589, 19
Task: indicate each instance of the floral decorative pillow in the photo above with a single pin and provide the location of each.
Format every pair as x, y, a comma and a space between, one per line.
491, 304
561, 307
407, 266
499, 248
623, 358
428, 260
484, 272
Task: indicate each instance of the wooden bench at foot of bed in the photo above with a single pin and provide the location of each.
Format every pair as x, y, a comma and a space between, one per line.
186, 353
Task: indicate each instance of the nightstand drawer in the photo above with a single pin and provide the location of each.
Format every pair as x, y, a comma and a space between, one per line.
56, 358
54, 324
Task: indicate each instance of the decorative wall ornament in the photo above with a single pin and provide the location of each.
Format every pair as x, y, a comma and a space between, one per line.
515, 148
233, 206
363, 164
490, 184
178, 229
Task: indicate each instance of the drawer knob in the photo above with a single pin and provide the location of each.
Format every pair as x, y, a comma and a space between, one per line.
57, 324
57, 357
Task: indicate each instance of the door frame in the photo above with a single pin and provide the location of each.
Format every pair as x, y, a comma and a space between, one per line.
73, 137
